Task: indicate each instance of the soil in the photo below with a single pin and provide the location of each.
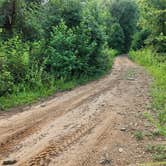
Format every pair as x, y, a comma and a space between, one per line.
92, 125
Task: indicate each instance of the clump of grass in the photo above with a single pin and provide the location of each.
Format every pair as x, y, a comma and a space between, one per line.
158, 151
24, 97
139, 135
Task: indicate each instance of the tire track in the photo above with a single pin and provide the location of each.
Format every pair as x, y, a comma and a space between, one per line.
58, 147
7, 144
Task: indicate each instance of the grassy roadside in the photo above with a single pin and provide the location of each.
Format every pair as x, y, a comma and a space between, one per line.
29, 97
156, 66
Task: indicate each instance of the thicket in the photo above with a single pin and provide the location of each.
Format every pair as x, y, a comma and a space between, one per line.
151, 26
53, 45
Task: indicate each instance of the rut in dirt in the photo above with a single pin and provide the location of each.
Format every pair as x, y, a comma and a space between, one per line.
75, 128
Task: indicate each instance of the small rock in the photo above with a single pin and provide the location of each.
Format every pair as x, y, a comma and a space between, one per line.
9, 162
105, 162
105, 158
136, 124
131, 124
121, 113
131, 79
103, 104
120, 150
42, 105
123, 129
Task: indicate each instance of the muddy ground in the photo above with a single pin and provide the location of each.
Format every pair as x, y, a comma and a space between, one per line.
92, 125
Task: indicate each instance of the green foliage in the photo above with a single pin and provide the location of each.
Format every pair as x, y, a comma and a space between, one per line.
111, 54
7, 14
72, 12
56, 10
157, 69
17, 57
139, 39
6, 79
93, 28
159, 152
159, 43
152, 17
6, 82
32, 22
124, 12
61, 52
139, 135
116, 37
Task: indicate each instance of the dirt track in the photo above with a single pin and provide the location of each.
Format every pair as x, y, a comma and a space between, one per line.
92, 125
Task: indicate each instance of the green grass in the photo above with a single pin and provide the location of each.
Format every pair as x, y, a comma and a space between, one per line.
139, 135
24, 97
158, 151
156, 66
30, 96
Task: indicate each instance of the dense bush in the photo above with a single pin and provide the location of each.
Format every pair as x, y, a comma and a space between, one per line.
17, 54
56, 10
62, 52
159, 43
139, 39
6, 80
152, 17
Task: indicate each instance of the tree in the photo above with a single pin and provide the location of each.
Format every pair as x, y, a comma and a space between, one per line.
116, 37
7, 14
124, 12
152, 17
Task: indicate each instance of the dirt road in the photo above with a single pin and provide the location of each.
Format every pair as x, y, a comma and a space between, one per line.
92, 125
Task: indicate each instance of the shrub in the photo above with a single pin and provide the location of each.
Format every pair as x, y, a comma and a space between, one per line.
31, 23
17, 55
160, 43
139, 39
62, 52
6, 82
93, 28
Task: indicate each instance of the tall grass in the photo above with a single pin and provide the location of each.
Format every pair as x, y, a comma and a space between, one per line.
156, 65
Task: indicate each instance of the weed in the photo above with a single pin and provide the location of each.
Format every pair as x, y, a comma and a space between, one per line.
158, 151
139, 135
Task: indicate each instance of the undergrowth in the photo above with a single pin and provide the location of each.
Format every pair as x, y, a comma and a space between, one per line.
29, 96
